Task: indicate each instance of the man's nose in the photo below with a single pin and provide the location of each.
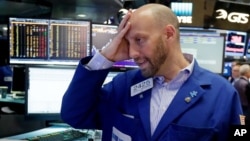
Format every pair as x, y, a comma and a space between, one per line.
133, 51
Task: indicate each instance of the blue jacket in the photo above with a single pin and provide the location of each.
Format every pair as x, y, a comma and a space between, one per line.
111, 108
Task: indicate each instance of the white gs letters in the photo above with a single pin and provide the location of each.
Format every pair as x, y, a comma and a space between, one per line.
233, 17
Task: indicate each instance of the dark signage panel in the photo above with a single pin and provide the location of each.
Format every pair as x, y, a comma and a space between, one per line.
232, 16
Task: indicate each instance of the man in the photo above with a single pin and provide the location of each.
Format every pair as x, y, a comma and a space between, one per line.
241, 86
169, 98
235, 72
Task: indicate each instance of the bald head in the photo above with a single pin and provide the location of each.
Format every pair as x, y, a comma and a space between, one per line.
159, 13
153, 40
244, 69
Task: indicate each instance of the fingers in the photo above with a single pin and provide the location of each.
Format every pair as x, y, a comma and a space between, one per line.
117, 49
124, 25
124, 21
124, 30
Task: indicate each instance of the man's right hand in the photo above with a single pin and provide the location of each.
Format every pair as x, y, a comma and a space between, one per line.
118, 49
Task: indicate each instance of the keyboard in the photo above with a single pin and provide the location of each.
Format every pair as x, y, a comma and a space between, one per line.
66, 135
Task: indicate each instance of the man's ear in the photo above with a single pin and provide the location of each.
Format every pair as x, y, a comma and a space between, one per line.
169, 31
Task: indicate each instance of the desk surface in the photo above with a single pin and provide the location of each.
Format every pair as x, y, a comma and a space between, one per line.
10, 99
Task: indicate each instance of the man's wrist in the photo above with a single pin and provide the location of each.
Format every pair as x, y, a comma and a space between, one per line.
99, 62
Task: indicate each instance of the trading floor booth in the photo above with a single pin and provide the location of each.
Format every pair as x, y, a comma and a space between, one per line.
43, 54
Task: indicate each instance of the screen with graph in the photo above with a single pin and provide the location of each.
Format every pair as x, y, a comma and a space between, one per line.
102, 35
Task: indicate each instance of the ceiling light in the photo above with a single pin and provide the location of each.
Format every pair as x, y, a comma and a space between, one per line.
81, 15
5, 28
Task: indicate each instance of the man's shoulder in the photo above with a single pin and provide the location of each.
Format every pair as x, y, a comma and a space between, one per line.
242, 80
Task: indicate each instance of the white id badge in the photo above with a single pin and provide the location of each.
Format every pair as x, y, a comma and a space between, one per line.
119, 136
141, 87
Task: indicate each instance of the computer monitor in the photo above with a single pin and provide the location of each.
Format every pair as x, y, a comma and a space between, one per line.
45, 87
206, 46
227, 69
247, 51
235, 43
102, 35
48, 41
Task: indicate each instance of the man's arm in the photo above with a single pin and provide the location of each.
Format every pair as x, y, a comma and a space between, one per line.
81, 99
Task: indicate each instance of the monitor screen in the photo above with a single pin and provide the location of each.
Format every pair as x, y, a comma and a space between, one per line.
206, 46
48, 41
45, 87
247, 52
227, 69
235, 43
102, 35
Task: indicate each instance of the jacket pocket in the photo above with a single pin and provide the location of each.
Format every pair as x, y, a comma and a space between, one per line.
125, 122
183, 133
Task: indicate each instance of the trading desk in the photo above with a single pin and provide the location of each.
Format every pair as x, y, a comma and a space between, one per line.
55, 129
11, 99
12, 104
52, 130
